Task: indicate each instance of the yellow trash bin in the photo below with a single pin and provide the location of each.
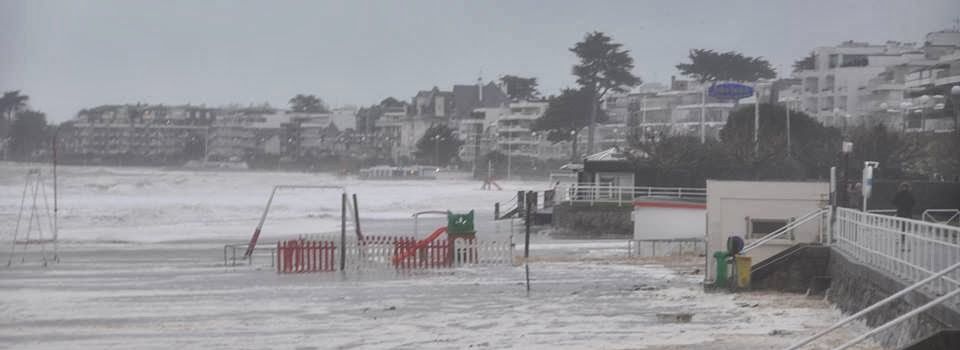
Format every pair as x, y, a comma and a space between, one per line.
743, 265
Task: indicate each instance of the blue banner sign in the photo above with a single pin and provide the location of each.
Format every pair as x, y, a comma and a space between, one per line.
730, 91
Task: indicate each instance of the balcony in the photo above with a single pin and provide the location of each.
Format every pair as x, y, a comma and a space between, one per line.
512, 129
520, 116
518, 141
946, 79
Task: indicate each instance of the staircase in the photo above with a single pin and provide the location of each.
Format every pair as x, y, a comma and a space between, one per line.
949, 339
802, 268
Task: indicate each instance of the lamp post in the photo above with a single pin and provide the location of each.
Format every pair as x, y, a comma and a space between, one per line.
924, 100
904, 108
536, 146
846, 120
703, 115
756, 121
955, 98
509, 152
787, 105
436, 149
573, 150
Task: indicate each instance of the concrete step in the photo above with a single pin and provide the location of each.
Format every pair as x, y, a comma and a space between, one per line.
947, 339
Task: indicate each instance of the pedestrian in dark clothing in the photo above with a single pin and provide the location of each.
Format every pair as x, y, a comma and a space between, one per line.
855, 196
904, 202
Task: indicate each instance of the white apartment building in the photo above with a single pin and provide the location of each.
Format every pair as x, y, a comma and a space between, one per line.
512, 132
513, 128
833, 88
855, 82
476, 131
678, 111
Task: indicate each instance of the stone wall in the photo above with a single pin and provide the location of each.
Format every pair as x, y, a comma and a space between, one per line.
855, 287
601, 220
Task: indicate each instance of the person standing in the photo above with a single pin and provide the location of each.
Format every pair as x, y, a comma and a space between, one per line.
904, 202
855, 196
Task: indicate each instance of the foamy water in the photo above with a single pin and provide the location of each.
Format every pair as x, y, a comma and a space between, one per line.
150, 205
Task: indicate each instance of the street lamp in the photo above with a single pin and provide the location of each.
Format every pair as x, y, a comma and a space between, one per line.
924, 100
436, 149
955, 98
509, 149
787, 105
536, 140
904, 108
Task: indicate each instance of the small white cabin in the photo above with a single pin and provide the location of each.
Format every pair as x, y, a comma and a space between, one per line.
753, 209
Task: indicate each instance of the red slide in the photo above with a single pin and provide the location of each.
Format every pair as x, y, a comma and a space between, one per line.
420, 245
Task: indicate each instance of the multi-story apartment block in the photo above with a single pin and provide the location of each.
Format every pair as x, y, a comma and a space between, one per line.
156, 134
932, 96
684, 109
855, 83
832, 88
513, 134
436, 107
477, 132
137, 133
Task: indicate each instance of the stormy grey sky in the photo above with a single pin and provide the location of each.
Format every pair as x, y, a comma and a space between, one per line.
72, 54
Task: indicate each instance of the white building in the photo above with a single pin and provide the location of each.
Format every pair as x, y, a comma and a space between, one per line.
831, 90
476, 131
678, 111
515, 137
753, 209
856, 82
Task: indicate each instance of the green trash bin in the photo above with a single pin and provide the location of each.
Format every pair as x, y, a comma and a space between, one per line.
721, 278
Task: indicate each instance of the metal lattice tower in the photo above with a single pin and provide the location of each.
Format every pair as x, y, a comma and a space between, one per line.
36, 222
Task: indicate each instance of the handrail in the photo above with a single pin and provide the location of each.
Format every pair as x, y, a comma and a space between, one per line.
786, 228
905, 316
876, 305
416, 218
593, 193
926, 214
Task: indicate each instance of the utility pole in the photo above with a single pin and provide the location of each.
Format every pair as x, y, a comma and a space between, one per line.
703, 116
756, 122
593, 120
788, 128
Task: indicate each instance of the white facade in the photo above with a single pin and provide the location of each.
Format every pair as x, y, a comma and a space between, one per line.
515, 137
668, 221
855, 83
750, 209
678, 112
474, 131
832, 91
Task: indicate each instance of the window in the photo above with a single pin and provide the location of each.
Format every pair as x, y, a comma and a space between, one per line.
758, 228
834, 60
854, 61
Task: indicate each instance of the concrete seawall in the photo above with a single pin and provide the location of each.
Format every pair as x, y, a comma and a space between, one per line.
602, 220
855, 287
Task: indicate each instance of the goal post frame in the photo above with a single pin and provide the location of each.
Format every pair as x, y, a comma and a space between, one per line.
266, 209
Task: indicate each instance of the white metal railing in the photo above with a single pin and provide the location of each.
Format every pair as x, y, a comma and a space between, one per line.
890, 212
937, 216
592, 193
877, 305
909, 250
816, 214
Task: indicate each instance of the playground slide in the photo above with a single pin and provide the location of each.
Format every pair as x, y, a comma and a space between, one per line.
420, 245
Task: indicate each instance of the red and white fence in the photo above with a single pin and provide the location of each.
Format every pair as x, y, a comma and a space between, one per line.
300, 255
316, 253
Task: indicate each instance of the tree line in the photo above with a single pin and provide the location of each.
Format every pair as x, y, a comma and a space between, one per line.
23, 131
